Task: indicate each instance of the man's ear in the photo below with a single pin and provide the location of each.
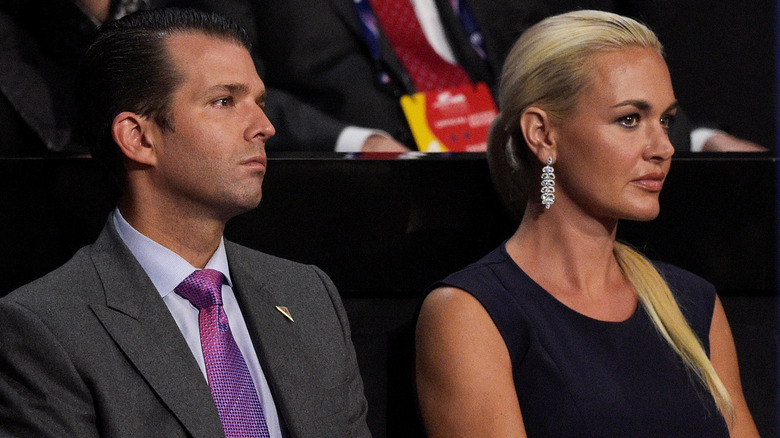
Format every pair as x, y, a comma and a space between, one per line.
539, 133
135, 135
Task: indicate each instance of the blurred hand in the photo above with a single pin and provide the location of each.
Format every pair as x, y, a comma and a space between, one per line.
380, 143
99, 9
722, 142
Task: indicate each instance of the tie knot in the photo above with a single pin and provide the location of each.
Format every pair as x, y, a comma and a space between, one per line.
203, 288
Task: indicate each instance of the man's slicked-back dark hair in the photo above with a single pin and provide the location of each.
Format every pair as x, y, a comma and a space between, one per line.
128, 68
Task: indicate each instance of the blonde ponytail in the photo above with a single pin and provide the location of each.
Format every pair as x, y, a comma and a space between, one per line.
660, 305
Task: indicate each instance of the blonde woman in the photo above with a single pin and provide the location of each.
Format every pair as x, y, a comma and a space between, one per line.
562, 331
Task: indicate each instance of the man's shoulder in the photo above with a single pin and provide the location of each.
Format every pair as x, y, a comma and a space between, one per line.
284, 279
71, 279
245, 255
269, 269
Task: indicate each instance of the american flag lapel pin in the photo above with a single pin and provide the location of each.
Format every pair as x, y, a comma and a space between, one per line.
285, 312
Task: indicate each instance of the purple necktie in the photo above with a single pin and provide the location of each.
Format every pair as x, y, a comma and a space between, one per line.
231, 385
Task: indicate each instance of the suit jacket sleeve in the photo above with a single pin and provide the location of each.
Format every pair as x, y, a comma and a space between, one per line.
300, 126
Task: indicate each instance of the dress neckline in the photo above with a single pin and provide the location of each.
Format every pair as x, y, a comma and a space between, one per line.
548, 296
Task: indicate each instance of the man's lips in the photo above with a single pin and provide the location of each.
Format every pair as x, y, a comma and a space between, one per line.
258, 162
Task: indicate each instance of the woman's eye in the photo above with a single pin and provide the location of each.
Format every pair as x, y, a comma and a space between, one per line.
667, 121
629, 121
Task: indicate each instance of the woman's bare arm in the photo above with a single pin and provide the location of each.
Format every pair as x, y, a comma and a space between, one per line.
464, 373
723, 355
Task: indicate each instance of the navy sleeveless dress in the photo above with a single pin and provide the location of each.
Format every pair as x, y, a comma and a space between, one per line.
580, 377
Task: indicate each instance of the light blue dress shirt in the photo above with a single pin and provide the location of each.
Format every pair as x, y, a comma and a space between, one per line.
167, 269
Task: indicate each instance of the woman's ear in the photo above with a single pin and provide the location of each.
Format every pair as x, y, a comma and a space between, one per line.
538, 133
135, 136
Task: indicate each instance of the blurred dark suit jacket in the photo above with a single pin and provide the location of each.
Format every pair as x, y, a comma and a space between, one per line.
315, 50
41, 43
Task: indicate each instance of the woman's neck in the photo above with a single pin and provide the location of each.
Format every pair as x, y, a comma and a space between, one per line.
571, 256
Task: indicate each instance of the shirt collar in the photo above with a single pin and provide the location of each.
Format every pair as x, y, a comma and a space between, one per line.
164, 267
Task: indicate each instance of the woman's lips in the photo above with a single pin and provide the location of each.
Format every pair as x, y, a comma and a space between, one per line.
651, 181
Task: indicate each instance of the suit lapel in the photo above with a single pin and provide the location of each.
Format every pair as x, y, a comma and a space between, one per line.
466, 56
139, 322
345, 9
388, 60
275, 337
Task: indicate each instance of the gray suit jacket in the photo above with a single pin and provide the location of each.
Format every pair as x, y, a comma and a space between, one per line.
91, 350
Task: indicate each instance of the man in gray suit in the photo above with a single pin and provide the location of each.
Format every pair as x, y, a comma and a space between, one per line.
108, 345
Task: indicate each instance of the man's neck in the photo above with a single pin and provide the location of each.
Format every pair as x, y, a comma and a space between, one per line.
193, 238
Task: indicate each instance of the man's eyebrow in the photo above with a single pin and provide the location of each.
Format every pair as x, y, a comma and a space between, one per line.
238, 89
229, 88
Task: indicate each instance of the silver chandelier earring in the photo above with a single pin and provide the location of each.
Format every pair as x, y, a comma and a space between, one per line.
548, 184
